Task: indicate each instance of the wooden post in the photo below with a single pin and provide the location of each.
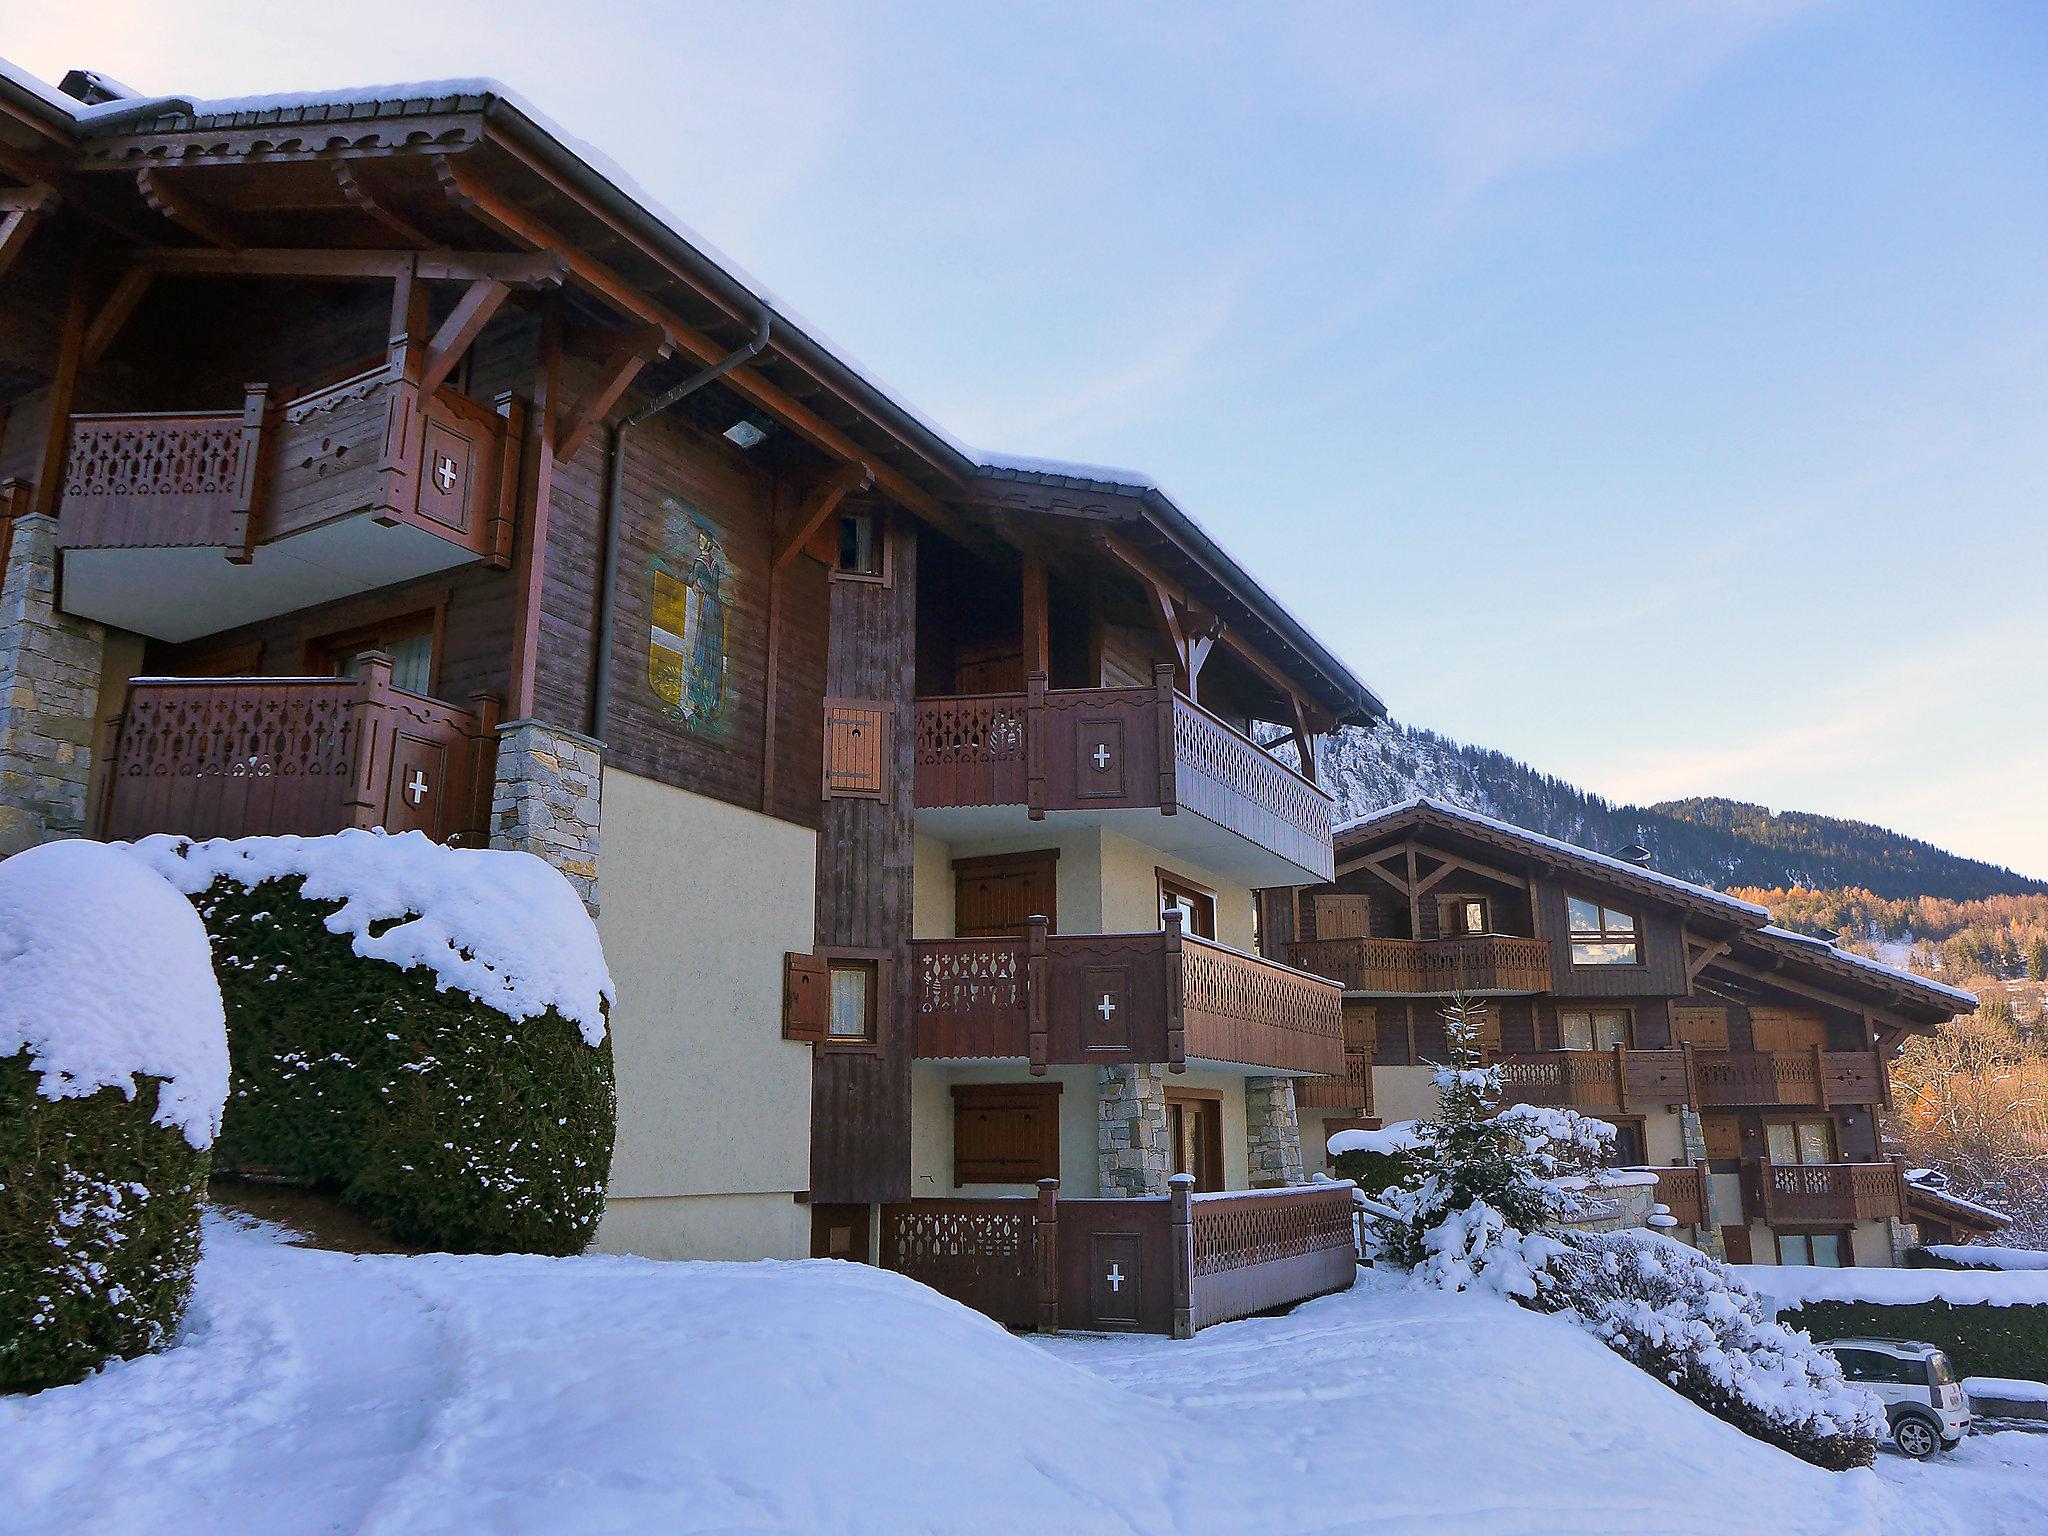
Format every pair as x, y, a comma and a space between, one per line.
15, 499
1162, 688
536, 496
109, 748
1621, 1081
53, 452
1037, 619
1047, 1230
1037, 980
1034, 746
249, 474
1181, 1189
1692, 1077
504, 519
1176, 1000
369, 782
1820, 1081
483, 766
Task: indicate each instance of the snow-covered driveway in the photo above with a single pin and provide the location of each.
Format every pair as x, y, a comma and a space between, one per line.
317, 1392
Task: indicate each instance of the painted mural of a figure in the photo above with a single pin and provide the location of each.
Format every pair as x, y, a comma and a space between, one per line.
687, 651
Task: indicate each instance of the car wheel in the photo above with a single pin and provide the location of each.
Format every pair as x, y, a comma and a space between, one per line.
1915, 1437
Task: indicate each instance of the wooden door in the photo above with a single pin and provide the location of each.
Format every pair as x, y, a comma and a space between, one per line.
1787, 1029
994, 898
1195, 1128
1723, 1134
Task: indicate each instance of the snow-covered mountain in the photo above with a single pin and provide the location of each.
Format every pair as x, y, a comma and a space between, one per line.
1714, 841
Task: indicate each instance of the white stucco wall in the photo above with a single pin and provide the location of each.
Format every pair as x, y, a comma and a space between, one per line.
1130, 891
701, 901
931, 889
1663, 1138
1403, 1093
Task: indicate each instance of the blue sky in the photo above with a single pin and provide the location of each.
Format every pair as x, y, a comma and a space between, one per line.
1656, 392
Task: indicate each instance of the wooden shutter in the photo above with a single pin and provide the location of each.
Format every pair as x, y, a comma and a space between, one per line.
1342, 916
1006, 1133
806, 996
1705, 1028
1723, 1134
1736, 1241
1361, 1027
857, 749
1787, 1029
994, 897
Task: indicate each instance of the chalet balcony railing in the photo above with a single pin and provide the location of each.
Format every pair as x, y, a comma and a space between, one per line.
1168, 1264
1818, 1193
1733, 1079
1350, 1092
1135, 997
238, 757
1683, 1192
1150, 748
1476, 964
1617, 1079
237, 479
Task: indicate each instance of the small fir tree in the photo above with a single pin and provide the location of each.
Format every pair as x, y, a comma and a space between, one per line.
1485, 1181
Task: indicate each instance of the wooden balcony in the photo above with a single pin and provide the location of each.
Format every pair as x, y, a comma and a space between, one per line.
1109, 998
240, 757
1817, 1078
1182, 1262
1109, 750
1617, 1079
1683, 1191
1351, 1092
1812, 1194
366, 481
1477, 966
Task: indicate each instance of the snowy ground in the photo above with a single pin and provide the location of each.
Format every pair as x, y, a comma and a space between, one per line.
384, 1394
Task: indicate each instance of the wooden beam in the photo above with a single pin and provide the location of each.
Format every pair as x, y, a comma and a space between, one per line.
1414, 898
1436, 876
536, 496
56, 437
1695, 962
463, 187
1818, 994
1037, 618
521, 269
465, 322
358, 195
16, 225
113, 314
161, 191
631, 351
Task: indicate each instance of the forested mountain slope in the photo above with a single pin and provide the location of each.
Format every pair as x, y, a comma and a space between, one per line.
1715, 842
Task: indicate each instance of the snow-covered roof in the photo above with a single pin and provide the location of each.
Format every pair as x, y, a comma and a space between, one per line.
1864, 963
1619, 867
1926, 1184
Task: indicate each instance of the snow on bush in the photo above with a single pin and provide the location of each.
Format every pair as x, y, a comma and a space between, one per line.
113, 1070
1690, 1322
1479, 1187
420, 1027
504, 927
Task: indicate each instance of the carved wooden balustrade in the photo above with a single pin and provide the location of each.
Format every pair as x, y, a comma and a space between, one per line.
1683, 1192
1119, 998
371, 443
1168, 1264
238, 757
1476, 964
1618, 1078
1813, 1193
1350, 1091
1730, 1079
1117, 749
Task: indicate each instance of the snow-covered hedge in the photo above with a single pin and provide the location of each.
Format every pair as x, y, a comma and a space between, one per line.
1983, 1338
1689, 1321
418, 1026
113, 1069
1975, 1256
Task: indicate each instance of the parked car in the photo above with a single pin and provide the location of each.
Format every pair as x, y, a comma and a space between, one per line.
1923, 1399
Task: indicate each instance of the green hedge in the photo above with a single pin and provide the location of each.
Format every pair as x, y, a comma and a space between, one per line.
1980, 1340
1374, 1171
448, 1123
99, 1229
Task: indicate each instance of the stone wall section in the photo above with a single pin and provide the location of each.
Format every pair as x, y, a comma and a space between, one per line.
1272, 1133
1131, 1134
49, 696
547, 799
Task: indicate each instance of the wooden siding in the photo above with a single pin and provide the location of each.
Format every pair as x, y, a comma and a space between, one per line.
860, 1098
1426, 967
1662, 972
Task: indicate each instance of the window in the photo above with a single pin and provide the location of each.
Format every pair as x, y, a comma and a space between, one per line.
408, 641
1197, 907
1799, 1141
852, 1017
863, 547
1457, 916
1005, 1133
1818, 1248
1592, 1029
1602, 935
1628, 1142
1869, 1365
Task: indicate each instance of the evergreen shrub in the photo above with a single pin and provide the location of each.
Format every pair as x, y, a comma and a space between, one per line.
449, 1123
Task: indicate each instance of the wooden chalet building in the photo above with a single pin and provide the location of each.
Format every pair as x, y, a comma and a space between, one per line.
1745, 1064
382, 459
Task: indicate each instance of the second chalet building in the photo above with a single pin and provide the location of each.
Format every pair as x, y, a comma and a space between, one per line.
1747, 1065
381, 459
